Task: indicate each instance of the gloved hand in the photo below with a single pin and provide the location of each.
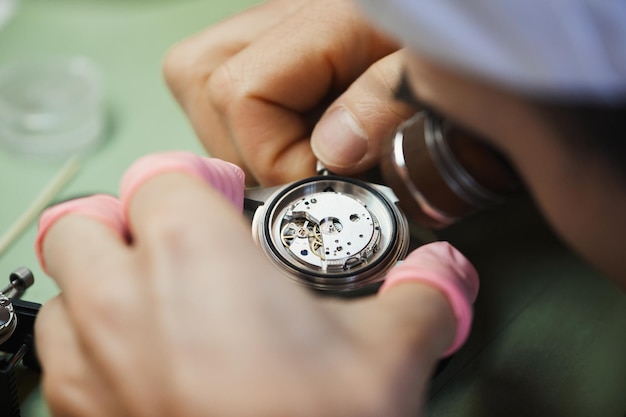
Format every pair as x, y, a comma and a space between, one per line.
167, 308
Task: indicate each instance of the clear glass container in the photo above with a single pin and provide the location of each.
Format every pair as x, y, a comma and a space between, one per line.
51, 107
7, 9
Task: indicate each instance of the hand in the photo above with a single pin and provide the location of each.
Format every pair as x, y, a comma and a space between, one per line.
254, 87
167, 308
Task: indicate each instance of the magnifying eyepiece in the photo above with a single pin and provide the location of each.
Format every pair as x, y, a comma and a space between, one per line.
440, 173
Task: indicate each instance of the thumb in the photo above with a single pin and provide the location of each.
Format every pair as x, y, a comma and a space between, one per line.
433, 283
349, 137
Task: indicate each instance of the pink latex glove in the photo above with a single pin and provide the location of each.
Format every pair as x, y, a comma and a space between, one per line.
443, 267
225, 177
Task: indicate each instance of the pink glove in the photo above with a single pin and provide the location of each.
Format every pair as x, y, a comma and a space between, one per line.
440, 265
223, 176
105, 208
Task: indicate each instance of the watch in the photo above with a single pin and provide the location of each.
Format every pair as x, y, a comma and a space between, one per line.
330, 233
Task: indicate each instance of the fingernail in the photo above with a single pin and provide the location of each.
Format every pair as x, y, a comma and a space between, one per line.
339, 140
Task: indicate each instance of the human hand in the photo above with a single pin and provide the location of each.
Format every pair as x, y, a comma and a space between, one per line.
168, 308
255, 86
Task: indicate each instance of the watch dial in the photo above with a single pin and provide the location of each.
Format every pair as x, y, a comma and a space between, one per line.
332, 233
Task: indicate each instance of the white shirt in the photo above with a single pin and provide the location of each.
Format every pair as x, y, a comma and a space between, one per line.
543, 47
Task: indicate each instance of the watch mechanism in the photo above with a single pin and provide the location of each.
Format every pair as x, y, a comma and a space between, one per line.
332, 233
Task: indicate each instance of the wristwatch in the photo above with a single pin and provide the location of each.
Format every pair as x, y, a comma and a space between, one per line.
330, 233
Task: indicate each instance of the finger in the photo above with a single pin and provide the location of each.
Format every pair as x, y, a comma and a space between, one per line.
167, 195
65, 229
266, 94
422, 312
349, 137
442, 268
224, 177
189, 64
70, 384
177, 204
186, 234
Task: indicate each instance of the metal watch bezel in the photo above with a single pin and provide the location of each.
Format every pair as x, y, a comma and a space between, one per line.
375, 197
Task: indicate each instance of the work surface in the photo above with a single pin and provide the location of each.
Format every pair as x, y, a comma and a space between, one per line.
550, 333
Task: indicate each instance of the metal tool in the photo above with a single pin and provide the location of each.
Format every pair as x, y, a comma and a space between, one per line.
17, 319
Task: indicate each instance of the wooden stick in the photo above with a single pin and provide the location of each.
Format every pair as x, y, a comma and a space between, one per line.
61, 179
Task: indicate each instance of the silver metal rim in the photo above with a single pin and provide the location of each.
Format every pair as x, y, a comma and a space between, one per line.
394, 234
